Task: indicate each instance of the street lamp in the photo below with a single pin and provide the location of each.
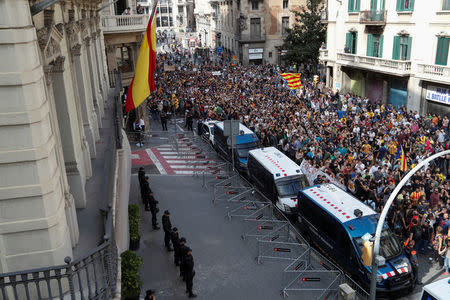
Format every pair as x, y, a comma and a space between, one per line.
376, 245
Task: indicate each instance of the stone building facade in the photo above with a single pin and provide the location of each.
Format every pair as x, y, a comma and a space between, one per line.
53, 86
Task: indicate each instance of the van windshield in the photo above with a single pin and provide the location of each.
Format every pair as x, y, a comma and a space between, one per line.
389, 247
290, 187
242, 149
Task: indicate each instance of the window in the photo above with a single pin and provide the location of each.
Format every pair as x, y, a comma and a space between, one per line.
180, 9
405, 5
445, 4
255, 5
163, 10
285, 4
284, 25
402, 47
351, 39
255, 28
158, 22
123, 59
442, 51
353, 5
270, 54
164, 22
374, 45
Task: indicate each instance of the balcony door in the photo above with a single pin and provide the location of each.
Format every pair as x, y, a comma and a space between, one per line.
255, 28
377, 5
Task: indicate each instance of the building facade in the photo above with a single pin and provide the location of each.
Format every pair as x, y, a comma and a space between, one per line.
54, 85
390, 51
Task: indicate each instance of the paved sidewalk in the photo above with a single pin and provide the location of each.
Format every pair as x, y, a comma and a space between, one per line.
225, 264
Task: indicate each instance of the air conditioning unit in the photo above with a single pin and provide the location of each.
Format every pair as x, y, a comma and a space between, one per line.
345, 292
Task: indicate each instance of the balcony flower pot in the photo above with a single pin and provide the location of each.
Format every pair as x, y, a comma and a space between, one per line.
134, 220
134, 243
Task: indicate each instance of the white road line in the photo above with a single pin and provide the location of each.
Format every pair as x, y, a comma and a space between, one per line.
171, 153
179, 127
134, 156
191, 167
184, 161
156, 162
171, 149
184, 172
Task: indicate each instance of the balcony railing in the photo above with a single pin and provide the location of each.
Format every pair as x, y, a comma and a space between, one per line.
396, 67
372, 17
323, 54
252, 38
434, 73
113, 24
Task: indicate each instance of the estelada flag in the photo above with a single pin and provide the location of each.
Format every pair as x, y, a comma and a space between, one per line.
143, 82
292, 79
402, 158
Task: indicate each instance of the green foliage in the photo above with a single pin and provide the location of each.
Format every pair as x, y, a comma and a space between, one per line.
130, 280
134, 220
304, 39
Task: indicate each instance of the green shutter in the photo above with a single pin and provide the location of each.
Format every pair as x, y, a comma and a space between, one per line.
396, 51
358, 5
380, 50
411, 5
369, 51
348, 40
408, 56
351, 5
399, 5
446, 5
442, 51
373, 5
356, 43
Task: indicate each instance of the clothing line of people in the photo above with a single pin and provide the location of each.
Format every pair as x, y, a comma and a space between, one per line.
182, 253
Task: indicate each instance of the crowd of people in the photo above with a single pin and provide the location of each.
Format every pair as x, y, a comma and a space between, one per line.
355, 140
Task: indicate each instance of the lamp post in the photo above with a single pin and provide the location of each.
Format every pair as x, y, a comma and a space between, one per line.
376, 244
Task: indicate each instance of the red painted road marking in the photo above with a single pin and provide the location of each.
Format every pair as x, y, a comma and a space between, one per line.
143, 159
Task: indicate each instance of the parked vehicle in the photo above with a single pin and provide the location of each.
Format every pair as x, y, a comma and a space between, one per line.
341, 226
207, 130
245, 141
277, 177
438, 290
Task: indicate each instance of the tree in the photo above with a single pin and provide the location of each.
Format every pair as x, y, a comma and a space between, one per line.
304, 40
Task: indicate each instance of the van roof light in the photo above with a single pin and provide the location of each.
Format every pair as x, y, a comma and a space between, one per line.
358, 213
278, 174
298, 171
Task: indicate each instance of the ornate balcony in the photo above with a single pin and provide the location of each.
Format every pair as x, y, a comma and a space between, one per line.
119, 24
373, 17
324, 16
388, 66
323, 54
252, 38
434, 73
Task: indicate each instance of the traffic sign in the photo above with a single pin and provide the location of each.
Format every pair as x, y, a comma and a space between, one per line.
219, 49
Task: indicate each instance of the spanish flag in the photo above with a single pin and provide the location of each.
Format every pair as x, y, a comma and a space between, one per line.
143, 82
293, 80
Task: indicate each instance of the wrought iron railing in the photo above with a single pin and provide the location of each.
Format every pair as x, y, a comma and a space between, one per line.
375, 17
93, 276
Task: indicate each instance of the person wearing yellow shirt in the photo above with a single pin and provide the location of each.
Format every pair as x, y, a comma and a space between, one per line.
366, 148
415, 196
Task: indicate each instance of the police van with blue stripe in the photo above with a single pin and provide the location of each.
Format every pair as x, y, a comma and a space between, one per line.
277, 177
245, 141
343, 227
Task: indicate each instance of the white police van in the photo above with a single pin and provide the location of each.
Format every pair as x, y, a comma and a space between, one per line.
340, 225
277, 177
438, 290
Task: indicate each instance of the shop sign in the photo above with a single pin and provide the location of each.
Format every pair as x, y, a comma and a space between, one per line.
256, 50
255, 56
438, 94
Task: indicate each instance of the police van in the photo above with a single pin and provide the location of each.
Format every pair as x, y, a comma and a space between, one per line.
277, 177
438, 290
342, 227
245, 141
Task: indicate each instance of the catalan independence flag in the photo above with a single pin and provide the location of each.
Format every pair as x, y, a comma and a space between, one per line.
292, 79
402, 158
143, 82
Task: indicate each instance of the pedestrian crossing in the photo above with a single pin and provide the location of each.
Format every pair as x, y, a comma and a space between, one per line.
169, 161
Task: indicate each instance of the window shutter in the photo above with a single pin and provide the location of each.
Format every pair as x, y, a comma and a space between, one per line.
442, 51
348, 40
399, 5
380, 50
350, 5
358, 3
408, 56
411, 5
396, 51
356, 43
446, 5
369, 51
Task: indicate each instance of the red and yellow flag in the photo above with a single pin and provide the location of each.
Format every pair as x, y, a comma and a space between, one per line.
292, 79
403, 164
143, 82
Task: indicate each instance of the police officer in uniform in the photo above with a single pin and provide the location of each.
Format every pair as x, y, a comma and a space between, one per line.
146, 193
174, 237
189, 272
154, 210
141, 177
167, 227
183, 252
411, 254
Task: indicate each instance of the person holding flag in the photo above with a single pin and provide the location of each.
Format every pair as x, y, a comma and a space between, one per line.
402, 158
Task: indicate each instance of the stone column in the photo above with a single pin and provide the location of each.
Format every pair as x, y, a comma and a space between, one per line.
98, 101
70, 210
101, 76
85, 101
68, 127
33, 226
